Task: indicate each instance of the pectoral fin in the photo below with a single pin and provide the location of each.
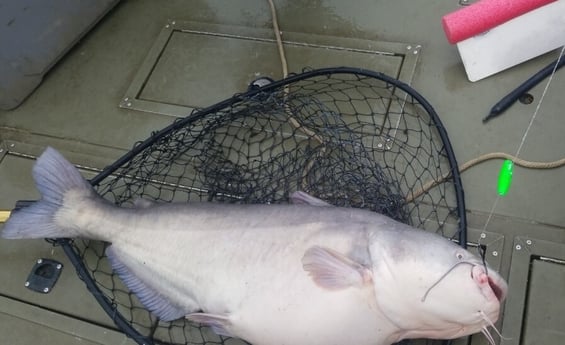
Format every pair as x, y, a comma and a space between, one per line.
334, 271
301, 198
218, 323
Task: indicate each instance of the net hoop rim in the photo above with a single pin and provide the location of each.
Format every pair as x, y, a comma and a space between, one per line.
119, 320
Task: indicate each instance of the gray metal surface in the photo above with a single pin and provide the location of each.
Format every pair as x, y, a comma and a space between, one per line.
76, 110
22, 323
34, 34
167, 84
535, 308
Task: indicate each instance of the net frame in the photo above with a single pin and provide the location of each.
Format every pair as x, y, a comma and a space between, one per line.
448, 178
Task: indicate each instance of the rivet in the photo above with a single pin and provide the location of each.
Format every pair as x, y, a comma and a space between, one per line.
518, 247
495, 253
46, 289
26, 284
529, 242
39, 261
483, 235
409, 47
128, 104
59, 266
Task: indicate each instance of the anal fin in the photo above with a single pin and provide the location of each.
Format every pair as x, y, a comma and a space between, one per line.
218, 323
151, 299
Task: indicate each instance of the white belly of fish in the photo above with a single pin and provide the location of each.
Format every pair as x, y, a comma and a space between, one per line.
252, 275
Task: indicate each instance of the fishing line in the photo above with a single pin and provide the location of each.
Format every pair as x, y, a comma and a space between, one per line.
527, 131
491, 324
482, 249
498, 196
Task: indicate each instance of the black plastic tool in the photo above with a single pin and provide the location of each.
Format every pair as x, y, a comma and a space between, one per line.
513, 96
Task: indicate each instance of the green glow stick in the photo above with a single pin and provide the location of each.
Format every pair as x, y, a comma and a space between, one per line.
505, 177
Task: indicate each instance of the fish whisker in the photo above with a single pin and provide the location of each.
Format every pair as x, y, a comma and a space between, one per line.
487, 335
490, 324
443, 277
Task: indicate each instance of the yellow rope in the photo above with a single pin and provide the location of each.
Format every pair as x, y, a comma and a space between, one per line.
4, 215
284, 66
483, 158
279, 40
517, 161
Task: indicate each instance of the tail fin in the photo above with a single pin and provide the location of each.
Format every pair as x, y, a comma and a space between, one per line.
54, 176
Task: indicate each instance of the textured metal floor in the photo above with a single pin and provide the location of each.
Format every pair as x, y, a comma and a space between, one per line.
76, 109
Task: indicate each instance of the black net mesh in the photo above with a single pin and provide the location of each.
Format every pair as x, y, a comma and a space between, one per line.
350, 137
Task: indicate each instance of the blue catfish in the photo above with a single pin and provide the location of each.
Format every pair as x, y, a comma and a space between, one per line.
303, 273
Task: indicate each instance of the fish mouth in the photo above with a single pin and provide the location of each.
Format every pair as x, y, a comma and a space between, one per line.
498, 290
490, 282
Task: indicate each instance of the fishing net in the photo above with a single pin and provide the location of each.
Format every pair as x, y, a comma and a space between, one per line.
351, 137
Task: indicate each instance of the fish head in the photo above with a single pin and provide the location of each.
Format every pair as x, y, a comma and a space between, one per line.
429, 287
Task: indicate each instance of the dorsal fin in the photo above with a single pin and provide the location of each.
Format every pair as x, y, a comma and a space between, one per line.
300, 197
143, 203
